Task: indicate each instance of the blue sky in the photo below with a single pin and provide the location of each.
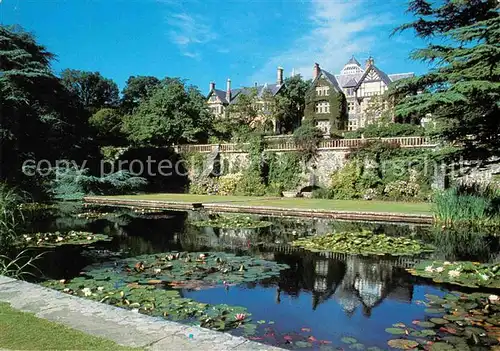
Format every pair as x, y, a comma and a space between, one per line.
204, 41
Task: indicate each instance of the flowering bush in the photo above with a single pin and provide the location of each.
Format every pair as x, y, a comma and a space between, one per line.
204, 186
401, 189
228, 183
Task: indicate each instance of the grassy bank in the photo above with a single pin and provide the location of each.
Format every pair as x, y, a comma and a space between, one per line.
24, 331
418, 208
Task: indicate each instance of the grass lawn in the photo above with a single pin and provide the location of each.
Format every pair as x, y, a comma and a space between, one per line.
24, 331
302, 203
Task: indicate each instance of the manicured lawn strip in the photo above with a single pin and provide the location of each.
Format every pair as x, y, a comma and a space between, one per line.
347, 205
419, 208
24, 331
190, 198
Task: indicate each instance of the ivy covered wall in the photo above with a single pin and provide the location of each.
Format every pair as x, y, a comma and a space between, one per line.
338, 106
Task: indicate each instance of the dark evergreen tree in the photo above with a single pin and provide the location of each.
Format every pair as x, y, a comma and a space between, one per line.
462, 90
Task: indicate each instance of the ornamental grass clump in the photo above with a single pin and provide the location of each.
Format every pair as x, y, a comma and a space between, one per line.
365, 243
473, 205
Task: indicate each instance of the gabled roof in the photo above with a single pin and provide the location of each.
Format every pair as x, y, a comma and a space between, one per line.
221, 94
351, 83
383, 76
273, 89
353, 60
330, 77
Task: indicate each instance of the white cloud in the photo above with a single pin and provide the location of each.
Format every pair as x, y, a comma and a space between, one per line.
340, 29
187, 32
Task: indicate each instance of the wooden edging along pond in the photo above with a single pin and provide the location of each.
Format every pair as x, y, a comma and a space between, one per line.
266, 210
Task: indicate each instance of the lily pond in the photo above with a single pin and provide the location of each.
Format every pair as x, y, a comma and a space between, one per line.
295, 283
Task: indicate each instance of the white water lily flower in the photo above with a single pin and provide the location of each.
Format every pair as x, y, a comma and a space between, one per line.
60, 238
429, 269
157, 270
493, 298
454, 273
27, 238
100, 288
439, 269
66, 289
87, 292
446, 263
89, 238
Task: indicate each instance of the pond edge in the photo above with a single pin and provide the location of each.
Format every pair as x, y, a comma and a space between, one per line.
122, 326
266, 210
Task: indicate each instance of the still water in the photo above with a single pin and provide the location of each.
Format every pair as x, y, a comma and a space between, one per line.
321, 297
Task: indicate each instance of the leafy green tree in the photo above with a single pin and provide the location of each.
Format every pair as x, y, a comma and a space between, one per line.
290, 104
244, 110
138, 89
107, 123
462, 90
92, 89
173, 114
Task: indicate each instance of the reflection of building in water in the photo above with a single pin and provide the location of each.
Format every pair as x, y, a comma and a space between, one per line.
355, 282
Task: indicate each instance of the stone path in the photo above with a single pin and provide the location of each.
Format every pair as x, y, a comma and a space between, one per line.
119, 325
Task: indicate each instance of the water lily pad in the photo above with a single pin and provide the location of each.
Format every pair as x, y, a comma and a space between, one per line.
303, 344
452, 317
434, 310
438, 320
374, 348
441, 346
424, 324
402, 344
365, 242
395, 331
357, 346
348, 340
428, 332
233, 221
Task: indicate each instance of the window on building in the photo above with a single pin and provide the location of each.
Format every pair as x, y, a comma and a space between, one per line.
322, 91
322, 107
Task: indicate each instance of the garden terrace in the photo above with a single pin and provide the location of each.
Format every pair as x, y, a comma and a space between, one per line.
287, 144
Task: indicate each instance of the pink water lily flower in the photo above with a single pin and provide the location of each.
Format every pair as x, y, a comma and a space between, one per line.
240, 316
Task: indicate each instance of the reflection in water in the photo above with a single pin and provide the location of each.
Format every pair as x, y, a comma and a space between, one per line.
336, 288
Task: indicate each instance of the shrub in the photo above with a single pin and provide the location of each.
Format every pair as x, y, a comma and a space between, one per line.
322, 193
391, 130
344, 182
401, 189
251, 184
204, 186
285, 171
307, 138
229, 183
72, 184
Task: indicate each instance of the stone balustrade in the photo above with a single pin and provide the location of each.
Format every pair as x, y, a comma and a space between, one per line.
287, 144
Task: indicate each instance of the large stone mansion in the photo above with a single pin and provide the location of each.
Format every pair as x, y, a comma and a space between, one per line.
336, 102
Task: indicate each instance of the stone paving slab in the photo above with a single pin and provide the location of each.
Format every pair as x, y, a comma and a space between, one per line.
119, 325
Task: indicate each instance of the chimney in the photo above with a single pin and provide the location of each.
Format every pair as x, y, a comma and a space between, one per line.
369, 62
316, 70
212, 86
228, 90
279, 76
